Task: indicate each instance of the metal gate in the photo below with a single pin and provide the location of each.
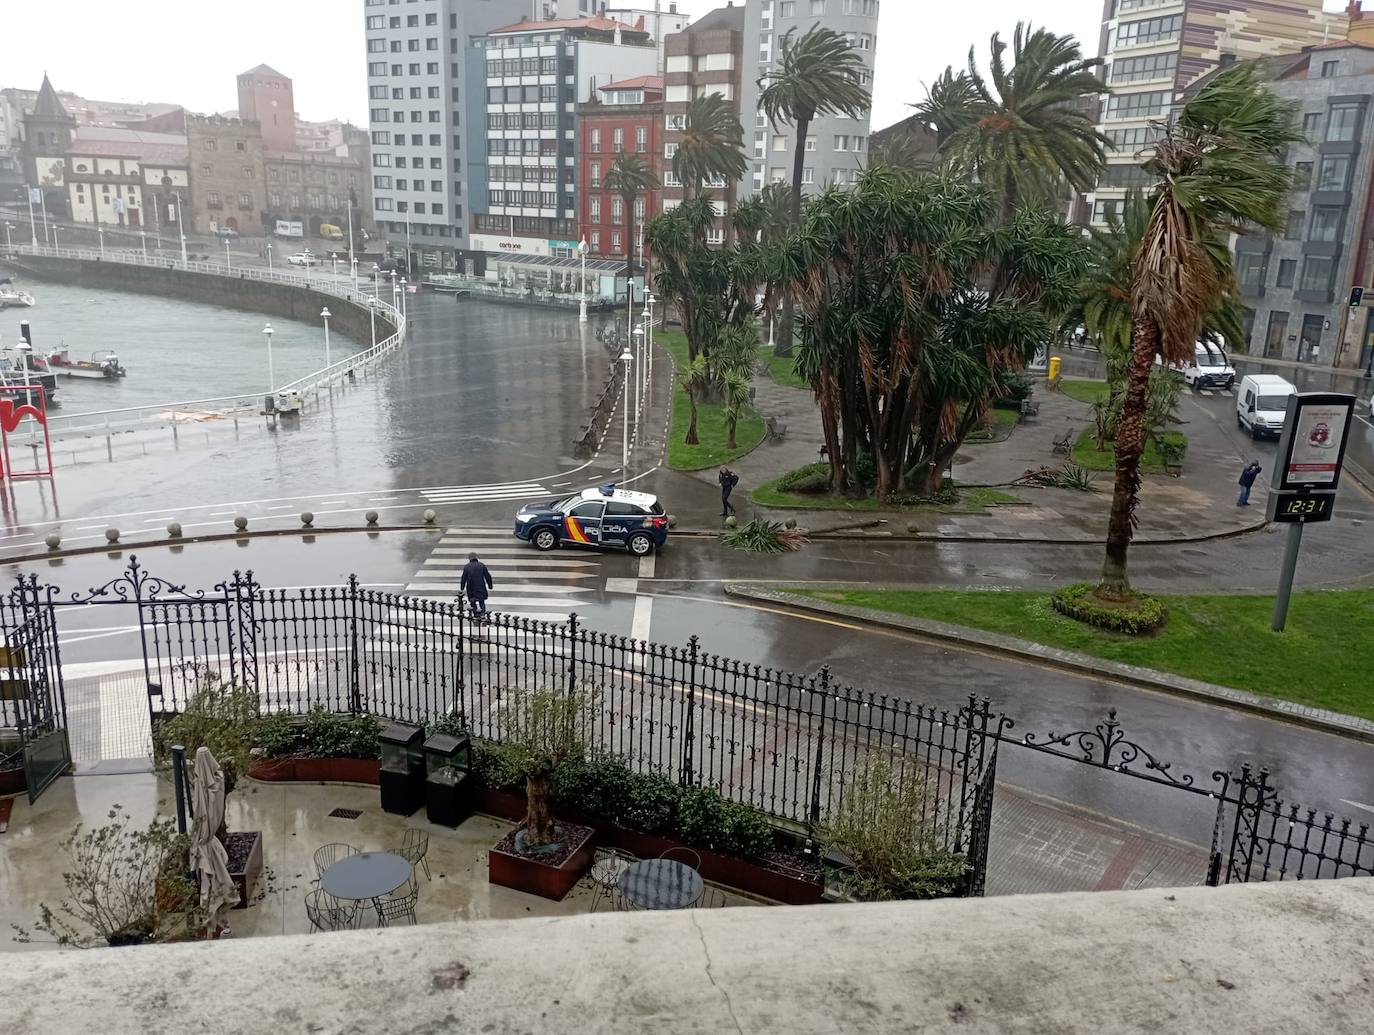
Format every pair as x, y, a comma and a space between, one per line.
32, 700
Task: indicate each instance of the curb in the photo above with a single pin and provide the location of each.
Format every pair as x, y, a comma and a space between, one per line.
1348, 726
124, 545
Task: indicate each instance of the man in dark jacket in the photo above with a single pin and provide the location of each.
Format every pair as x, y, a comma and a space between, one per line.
475, 582
728, 480
1247, 481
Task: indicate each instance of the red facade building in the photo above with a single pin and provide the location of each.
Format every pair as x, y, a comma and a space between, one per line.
628, 117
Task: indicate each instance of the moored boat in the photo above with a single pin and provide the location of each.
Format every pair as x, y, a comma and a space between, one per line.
103, 365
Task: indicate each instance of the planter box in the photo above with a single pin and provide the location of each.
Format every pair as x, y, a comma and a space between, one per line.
245, 876
317, 770
751, 877
13, 781
540, 878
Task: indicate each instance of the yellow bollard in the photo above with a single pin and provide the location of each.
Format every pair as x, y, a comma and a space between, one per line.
1055, 363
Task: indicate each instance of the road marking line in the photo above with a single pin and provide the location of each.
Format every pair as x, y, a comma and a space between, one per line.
1357, 805
647, 564
644, 610
508, 564
614, 585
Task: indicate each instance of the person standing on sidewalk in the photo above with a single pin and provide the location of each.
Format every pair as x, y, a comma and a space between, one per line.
728, 480
1247, 481
475, 582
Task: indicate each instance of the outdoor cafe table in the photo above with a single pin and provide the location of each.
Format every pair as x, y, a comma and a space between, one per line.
661, 884
367, 876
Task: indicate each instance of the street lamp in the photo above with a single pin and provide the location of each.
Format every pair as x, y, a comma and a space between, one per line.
269, 252
405, 304
582, 310
325, 314
354, 262
647, 318
271, 375
55, 244
372, 312
639, 358
100, 235
627, 359
33, 228
334, 266
227, 264
181, 229
143, 240
9, 244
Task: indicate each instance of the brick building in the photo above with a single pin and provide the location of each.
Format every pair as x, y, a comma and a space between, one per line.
703, 59
268, 98
627, 118
315, 187
226, 166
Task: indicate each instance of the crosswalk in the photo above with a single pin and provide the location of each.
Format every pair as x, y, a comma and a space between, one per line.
494, 492
525, 583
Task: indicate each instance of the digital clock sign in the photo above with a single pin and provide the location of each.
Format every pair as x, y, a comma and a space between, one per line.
1304, 507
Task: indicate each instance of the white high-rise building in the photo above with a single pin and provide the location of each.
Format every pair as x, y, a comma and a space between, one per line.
416, 88
837, 147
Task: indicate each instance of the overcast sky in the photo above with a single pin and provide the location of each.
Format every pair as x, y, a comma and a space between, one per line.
189, 51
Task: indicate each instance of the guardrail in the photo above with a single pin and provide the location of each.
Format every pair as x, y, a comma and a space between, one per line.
132, 418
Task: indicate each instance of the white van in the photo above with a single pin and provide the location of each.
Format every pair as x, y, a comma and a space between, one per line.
1210, 367
1262, 404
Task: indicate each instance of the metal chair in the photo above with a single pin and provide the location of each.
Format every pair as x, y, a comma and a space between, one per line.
414, 848
400, 904
327, 855
683, 855
326, 913
606, 872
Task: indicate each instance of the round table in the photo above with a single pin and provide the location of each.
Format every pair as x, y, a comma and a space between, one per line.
661, 884
367, 875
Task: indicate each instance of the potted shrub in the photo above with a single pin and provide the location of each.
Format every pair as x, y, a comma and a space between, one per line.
320, 747
543, 856
12, 779
878, 847
125, 886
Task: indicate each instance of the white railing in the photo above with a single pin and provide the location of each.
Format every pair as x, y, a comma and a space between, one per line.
193, 411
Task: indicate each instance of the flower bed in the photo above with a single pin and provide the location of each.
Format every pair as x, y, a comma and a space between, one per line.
319, 747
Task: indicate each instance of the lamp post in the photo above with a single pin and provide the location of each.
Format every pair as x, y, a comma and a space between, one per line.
582, 309
143, 240
405, 303
100, 236
55, 243
271, 375
33, 230
650, 299
325, 314
372, 312
269, 254
227, 264
627, 359
9, 244
354, 263
639, 359
181, 229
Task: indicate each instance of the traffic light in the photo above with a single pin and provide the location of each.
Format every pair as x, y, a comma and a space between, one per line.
1356, 295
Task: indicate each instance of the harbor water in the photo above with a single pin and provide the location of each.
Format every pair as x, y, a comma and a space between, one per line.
172, 350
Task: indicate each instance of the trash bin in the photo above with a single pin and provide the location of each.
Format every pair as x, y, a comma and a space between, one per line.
403, 768
449, 792
288, 402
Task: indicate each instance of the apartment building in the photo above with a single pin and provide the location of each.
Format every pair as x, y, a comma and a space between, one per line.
525, 84
1155, 48
661, 19
417, 55
1296, 285
836, 145
707, 57
626, 119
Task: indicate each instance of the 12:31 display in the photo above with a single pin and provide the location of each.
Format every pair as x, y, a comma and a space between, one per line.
1305, 507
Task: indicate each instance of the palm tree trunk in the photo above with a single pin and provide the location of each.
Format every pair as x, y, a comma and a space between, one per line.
1130, 444
691, 438
783, 339
730, 422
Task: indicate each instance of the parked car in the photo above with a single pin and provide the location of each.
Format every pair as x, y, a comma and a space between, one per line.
1262, 404
227, 233
303, 259
330, 232
604, 517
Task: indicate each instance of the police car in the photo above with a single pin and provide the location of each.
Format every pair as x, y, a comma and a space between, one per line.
605, 516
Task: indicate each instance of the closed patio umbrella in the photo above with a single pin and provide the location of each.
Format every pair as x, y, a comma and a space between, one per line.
208, 857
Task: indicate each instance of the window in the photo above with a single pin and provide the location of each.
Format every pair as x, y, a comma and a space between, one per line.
432, 43
431, 19
1330, 69
1133, 140
817, 7
642, 139
1288, 269
436, 116
245, 201
397, 69
375, 46
1302, 176
615, 241
639, 209
433, 93
1316, 274
1293, 230
376, 68
1125, 176
211, 145
1143, 69
1334, 173
378, 93
432, 68
808, 175
1311, 123
376, 21
595, 241
810, 143
247, 172
619, 140
381, 136
1149, 30
1106, 210
1249, 268
1326, 223
1138, 105
779, 142
617, 210
596, 140
436, 163
381, 182
1344, 122
437, 186
594, 213
787, 9
212, 199
596, 174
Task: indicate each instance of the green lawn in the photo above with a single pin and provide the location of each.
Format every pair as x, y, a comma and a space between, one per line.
1084, 391
780, 368
1087, 456
1322, 659
711, 451
971, 501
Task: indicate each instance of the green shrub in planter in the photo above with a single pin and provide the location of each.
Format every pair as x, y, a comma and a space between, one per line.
746, 833
276, 735
327, 735
1142, 614
598, 786
491, 768
361, 737
652, 807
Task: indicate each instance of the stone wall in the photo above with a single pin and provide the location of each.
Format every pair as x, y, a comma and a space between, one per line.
287, 301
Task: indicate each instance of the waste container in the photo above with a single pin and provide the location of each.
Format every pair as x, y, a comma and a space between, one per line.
403, 768
449, 791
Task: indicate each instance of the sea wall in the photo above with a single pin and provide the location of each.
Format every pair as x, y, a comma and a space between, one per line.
235, 291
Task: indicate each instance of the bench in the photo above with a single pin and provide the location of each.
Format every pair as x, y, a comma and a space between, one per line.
1029, 408
1063, 445
776, 429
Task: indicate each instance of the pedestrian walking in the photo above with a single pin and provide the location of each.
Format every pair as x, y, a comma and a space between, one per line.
475, 582
728, 480
1247, 481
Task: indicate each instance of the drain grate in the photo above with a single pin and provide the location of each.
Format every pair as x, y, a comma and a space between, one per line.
346, 813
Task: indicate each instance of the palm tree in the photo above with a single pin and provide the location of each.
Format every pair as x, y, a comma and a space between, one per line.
1218, 170
696, 382
629, 177
1028, 131
817, 73
711, 146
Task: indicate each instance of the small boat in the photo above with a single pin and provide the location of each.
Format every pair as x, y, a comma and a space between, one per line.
103, 365
12, 296
16, 373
